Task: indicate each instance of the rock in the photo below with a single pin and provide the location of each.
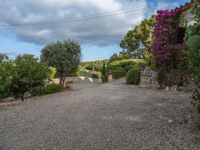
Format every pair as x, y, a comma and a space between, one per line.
170, 121
8, 99
174, 88
27, 95
167, 89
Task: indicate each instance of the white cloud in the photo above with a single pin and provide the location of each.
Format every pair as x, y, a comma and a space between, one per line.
105, 30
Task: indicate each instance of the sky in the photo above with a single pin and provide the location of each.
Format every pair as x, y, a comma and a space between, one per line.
26, 26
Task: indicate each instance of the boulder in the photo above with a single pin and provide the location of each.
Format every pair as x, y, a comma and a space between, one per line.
27, 95
8, 99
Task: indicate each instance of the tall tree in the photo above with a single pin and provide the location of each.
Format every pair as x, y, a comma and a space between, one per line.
65, 56
139, 39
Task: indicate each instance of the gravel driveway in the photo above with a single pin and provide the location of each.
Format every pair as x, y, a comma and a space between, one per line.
112, 116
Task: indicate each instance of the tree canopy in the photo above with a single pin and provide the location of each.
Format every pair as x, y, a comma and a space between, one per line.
139, 39
64, 55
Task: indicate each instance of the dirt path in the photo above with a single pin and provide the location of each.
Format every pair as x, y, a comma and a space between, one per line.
112, 116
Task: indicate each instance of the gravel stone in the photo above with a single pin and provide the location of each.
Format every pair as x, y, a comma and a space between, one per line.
111, 116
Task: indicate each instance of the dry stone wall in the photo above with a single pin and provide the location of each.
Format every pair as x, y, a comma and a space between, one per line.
148, 79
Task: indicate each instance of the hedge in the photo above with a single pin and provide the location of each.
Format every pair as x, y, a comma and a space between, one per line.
120, 68
127, 64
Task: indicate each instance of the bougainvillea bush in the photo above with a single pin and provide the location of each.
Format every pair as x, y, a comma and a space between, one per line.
168, 48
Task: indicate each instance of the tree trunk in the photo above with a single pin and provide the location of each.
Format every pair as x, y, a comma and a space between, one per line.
62, 81
22, 96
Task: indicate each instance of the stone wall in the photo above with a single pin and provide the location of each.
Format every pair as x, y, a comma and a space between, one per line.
148, 79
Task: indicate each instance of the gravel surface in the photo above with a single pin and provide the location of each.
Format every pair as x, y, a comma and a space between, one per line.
112, 116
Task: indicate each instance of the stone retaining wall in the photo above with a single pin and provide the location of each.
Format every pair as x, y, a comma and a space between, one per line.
148, 79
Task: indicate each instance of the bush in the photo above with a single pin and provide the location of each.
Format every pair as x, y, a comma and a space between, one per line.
21, 75
133, 76
91, 74
118, 73
127, 64
48, 89
120, 68
29, 73
52, 73
6, 73
196, 99
52, 88
104, 78
93, 65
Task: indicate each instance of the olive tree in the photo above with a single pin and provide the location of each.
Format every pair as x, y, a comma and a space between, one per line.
64, 55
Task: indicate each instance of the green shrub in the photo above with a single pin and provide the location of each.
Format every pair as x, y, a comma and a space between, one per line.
52, 73
133, 76
120, 68
93, 65
6, 73
39, 90
104, 78
48, 89
118, 73
96, 74
53, 88
127, 64
91, 74
148, 58
196, 98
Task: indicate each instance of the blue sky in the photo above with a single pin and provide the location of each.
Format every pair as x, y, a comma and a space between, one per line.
99, 38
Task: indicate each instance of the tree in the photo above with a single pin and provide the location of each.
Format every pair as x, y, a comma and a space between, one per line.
28, 73
193, 42
65, 56
121, 56
114, 57
192, 39
139, 39
6, 76
3, 57
21, 75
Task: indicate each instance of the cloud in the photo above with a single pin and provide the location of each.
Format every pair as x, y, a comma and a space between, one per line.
102, 31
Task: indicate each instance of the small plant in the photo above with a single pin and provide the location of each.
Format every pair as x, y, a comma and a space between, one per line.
118, 73
196, 98
133, 76
104, 76
47, 89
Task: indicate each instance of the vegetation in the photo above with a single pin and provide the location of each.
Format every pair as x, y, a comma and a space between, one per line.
121, 56
126, 64
120, 68
118, 73
192, 39
168, 48
21, 75
47, 89
6, 73
133, 76
104, 76
65, 56
138, 40
93, 65
52, 73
